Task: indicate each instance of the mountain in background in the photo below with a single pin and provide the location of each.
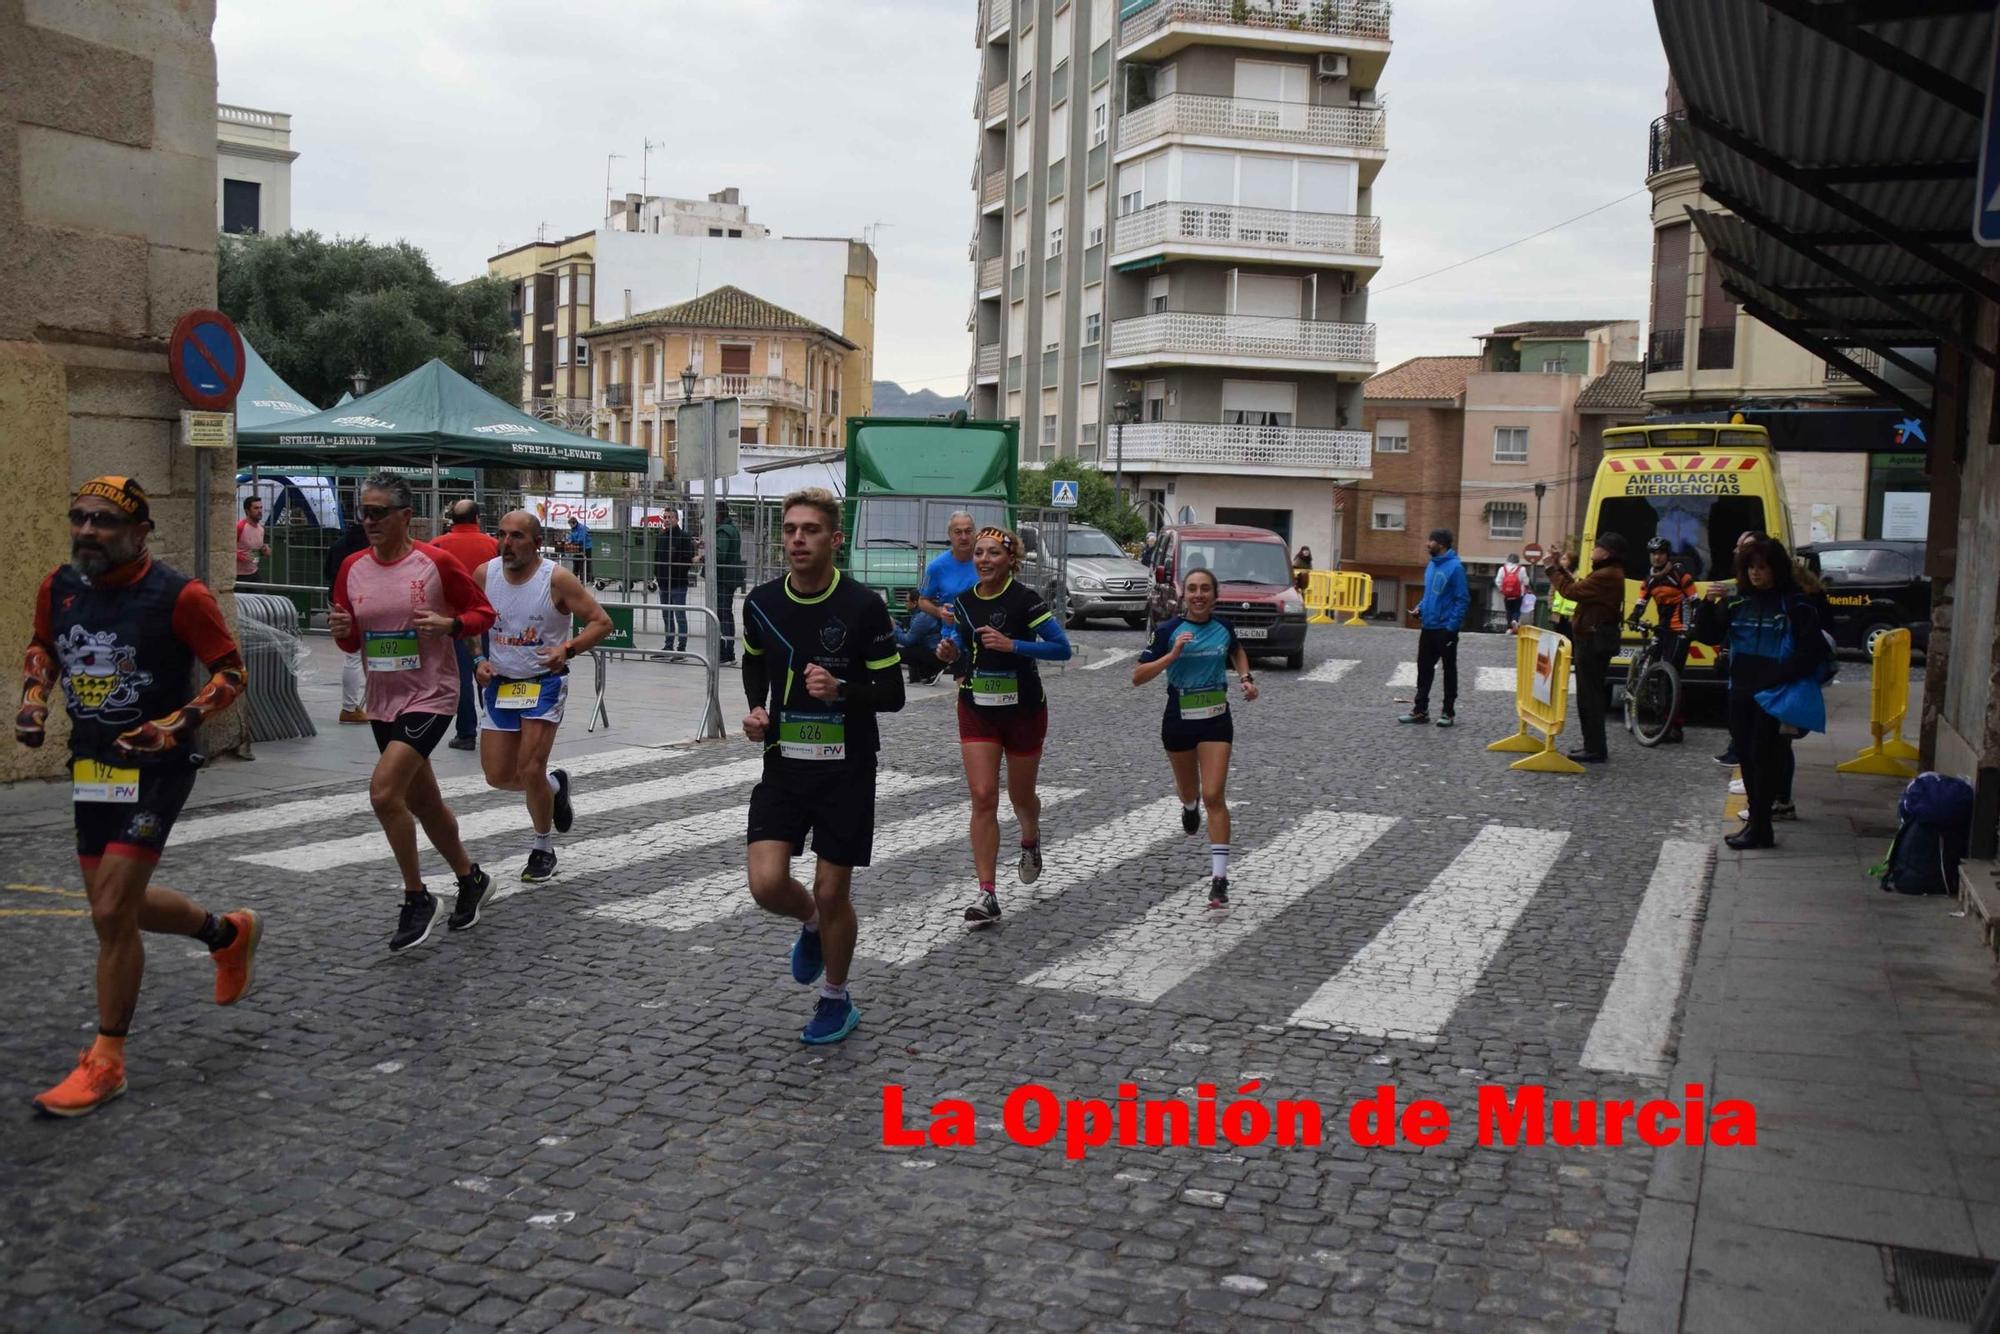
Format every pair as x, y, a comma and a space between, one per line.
891, 400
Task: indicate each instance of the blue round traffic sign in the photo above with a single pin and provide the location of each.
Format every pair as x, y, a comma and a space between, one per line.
205, 355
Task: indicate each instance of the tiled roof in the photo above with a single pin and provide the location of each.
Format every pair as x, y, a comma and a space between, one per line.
1617, 390
1549, 328
724, 308
1422, 378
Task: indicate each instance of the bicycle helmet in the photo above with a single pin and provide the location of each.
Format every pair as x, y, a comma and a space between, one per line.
1657, 545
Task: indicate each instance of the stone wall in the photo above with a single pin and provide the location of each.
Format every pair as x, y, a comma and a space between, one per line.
107, 235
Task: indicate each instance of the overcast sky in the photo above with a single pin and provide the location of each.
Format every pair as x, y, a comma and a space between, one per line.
463, 125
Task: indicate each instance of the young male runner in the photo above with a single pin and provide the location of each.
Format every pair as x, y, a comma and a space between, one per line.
819, 662
524, 679
121, 633
401, 604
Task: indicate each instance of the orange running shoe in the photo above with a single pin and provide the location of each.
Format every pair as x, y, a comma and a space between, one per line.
92, 1084
235, 963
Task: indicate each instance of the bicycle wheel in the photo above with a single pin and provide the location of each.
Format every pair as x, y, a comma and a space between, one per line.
1633, 670
1653, 702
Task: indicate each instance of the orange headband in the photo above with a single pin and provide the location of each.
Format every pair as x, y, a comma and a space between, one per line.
123, 492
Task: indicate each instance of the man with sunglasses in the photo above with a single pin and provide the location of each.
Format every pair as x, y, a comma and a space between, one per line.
403, 604
121, 633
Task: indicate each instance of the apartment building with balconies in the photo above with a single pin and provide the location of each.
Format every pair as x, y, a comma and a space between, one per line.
785, 369
1415, 415
1174, 230
1838, 448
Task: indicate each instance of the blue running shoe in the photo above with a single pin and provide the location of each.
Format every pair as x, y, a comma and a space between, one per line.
832, 1020
808, 960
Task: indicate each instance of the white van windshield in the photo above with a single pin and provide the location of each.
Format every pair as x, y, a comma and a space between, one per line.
1702, 529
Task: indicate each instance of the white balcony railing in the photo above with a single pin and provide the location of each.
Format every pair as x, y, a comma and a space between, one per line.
1298, 450
996, 101
1253, 118
991, 270
1237, 228
1368, 19
1248, 336
1867, 358
994, 190
988, 365
774, 389
999, 17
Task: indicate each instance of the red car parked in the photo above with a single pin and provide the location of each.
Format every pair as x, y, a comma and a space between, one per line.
1253, 568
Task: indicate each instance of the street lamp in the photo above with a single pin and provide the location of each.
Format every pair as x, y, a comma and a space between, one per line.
1121, 412
359, 379
478, 350
1541, 489
687, 384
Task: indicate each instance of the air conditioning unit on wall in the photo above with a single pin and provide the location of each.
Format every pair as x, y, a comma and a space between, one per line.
1332, 66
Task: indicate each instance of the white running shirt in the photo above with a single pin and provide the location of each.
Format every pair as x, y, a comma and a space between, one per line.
525, 620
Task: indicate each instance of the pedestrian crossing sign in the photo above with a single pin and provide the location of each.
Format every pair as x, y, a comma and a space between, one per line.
1062, 495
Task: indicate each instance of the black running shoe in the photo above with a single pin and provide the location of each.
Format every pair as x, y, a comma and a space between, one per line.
1218, 893
985, 912
541, 866
473, 892
565, 815
413, 925
1191, 819
1727, 757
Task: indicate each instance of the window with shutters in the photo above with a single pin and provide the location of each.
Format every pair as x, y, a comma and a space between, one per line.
1506, 520
736, 358
1392, 437
1387, 514
1259, 403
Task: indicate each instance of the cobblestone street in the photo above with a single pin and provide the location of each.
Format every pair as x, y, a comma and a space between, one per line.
594, 1109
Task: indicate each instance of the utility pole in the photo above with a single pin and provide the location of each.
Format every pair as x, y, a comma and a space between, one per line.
609, 158
645, 162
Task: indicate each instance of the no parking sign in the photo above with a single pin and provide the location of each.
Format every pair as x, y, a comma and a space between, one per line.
205, 354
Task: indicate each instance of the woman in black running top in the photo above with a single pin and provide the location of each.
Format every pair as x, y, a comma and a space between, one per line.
1003, 628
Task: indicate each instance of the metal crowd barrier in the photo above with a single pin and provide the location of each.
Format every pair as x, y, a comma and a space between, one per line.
1888, 701
1541, 702
1346, 592
711, 727
269, 627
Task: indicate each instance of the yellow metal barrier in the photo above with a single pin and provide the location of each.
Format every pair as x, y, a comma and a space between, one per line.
1541, 701
1888, 701
1341, 591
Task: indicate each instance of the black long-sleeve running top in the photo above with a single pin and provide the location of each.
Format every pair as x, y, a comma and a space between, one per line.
846, 630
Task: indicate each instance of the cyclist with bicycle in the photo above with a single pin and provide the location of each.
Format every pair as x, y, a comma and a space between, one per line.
1670, 587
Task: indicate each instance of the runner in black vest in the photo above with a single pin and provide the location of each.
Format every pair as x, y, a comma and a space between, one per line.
819, 662
121, 633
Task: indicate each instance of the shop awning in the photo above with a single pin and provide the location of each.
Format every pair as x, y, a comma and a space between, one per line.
1842, 137
432, 415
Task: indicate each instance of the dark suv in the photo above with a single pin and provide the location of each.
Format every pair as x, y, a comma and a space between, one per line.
1874, 587
1253, 573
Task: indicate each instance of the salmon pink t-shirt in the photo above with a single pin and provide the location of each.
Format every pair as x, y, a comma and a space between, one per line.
406, 672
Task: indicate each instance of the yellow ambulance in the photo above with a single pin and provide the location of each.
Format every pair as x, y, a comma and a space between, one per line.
1700, 485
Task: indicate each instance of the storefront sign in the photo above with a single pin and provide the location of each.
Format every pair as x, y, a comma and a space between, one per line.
556, 512
1906, 516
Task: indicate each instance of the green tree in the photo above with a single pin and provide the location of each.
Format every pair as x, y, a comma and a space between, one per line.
1097, 501
319, 310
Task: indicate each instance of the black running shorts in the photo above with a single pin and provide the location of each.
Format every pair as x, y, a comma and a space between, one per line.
134, 828
1179, 734
421, 732
832, 800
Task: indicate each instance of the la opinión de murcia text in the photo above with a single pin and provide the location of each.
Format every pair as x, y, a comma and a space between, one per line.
1035, 1116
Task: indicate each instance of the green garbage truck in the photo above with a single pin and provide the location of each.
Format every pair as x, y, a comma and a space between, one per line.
905, 478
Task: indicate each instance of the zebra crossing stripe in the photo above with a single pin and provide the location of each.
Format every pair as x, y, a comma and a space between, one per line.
1404, 675
513, 816
1179, 937
1408, 980
910, 930
1333, 669
1115, 655
615, 852
1499, 680
1502, 679
1632, 1026
726, 893
339, 806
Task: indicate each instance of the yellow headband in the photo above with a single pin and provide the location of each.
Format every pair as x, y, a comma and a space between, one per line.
123, 492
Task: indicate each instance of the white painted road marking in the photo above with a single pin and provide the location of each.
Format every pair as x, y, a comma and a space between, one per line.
1630, 1033
1179, 936
1407, 982
371, 846
911, 930
726, 893
337, 806
1115, 655
1333, 669
1499, 680
1405, 676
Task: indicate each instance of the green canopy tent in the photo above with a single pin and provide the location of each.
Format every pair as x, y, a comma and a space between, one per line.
265, 399
431, 418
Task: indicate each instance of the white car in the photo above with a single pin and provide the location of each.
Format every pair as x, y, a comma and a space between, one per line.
1099, 579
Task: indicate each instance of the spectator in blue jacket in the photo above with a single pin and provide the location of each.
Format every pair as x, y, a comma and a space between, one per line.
1440, 613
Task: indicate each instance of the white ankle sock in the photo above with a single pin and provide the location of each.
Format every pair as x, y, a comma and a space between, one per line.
554, 785
545, 843
1218, 860
828, 991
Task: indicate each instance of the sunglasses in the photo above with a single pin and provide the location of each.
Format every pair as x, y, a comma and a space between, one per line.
97, 519
377, 512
